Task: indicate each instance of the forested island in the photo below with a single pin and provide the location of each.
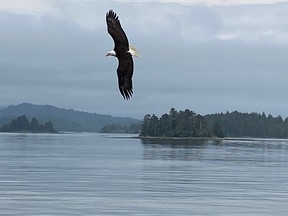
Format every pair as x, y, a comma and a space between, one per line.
175, 124
22, 124
235, 124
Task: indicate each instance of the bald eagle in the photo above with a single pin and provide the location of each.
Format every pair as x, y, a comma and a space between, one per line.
123, 52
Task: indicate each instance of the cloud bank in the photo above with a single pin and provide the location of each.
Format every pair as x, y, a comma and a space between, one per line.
206, 58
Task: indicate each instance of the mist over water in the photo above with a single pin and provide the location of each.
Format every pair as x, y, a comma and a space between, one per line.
97, 174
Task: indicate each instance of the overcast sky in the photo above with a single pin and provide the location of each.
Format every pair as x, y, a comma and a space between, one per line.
207, 56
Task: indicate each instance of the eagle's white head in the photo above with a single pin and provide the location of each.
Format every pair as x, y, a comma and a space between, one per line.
111, 53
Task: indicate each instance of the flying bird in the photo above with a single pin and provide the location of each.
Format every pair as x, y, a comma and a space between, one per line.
123, 52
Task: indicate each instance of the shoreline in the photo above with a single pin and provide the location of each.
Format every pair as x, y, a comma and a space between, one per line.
180, 138
31, 132
212, 138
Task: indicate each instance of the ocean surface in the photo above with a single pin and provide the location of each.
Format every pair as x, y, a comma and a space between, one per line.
98, 174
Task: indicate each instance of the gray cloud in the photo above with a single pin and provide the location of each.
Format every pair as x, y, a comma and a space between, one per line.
209, 59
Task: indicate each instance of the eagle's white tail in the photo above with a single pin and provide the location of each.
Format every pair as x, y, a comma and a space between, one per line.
133, 51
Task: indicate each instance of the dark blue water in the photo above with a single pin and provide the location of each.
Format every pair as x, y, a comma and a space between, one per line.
94, 174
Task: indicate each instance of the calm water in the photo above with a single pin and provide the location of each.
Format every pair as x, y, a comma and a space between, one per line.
94, 174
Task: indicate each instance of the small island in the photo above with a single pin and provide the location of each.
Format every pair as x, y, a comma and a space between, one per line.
188, 124
22, 124
178, 124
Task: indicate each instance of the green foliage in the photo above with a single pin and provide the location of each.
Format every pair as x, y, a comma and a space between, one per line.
218, 130
48, 127
175, 124
237, 124
34, 125
21, 124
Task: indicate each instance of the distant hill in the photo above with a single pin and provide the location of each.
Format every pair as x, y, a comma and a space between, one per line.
63, 119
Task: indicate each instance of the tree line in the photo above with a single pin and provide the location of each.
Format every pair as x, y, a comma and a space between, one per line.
235, 124
63, 119
22, 124
175, 124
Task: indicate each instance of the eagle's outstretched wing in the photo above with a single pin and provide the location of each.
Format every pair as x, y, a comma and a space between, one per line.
117, 33
125, 67
125, 73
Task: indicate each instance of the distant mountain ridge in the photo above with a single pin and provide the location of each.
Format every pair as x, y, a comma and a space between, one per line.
63, 119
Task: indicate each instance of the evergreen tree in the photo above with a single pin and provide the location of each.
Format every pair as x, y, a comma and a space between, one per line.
145, 127
34, 125
154, 129
48, 127
20, 124
165, 125
218, 131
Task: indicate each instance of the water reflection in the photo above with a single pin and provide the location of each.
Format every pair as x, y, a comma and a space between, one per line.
222, 173
173, 149
189, 143
91, 174
226, 150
